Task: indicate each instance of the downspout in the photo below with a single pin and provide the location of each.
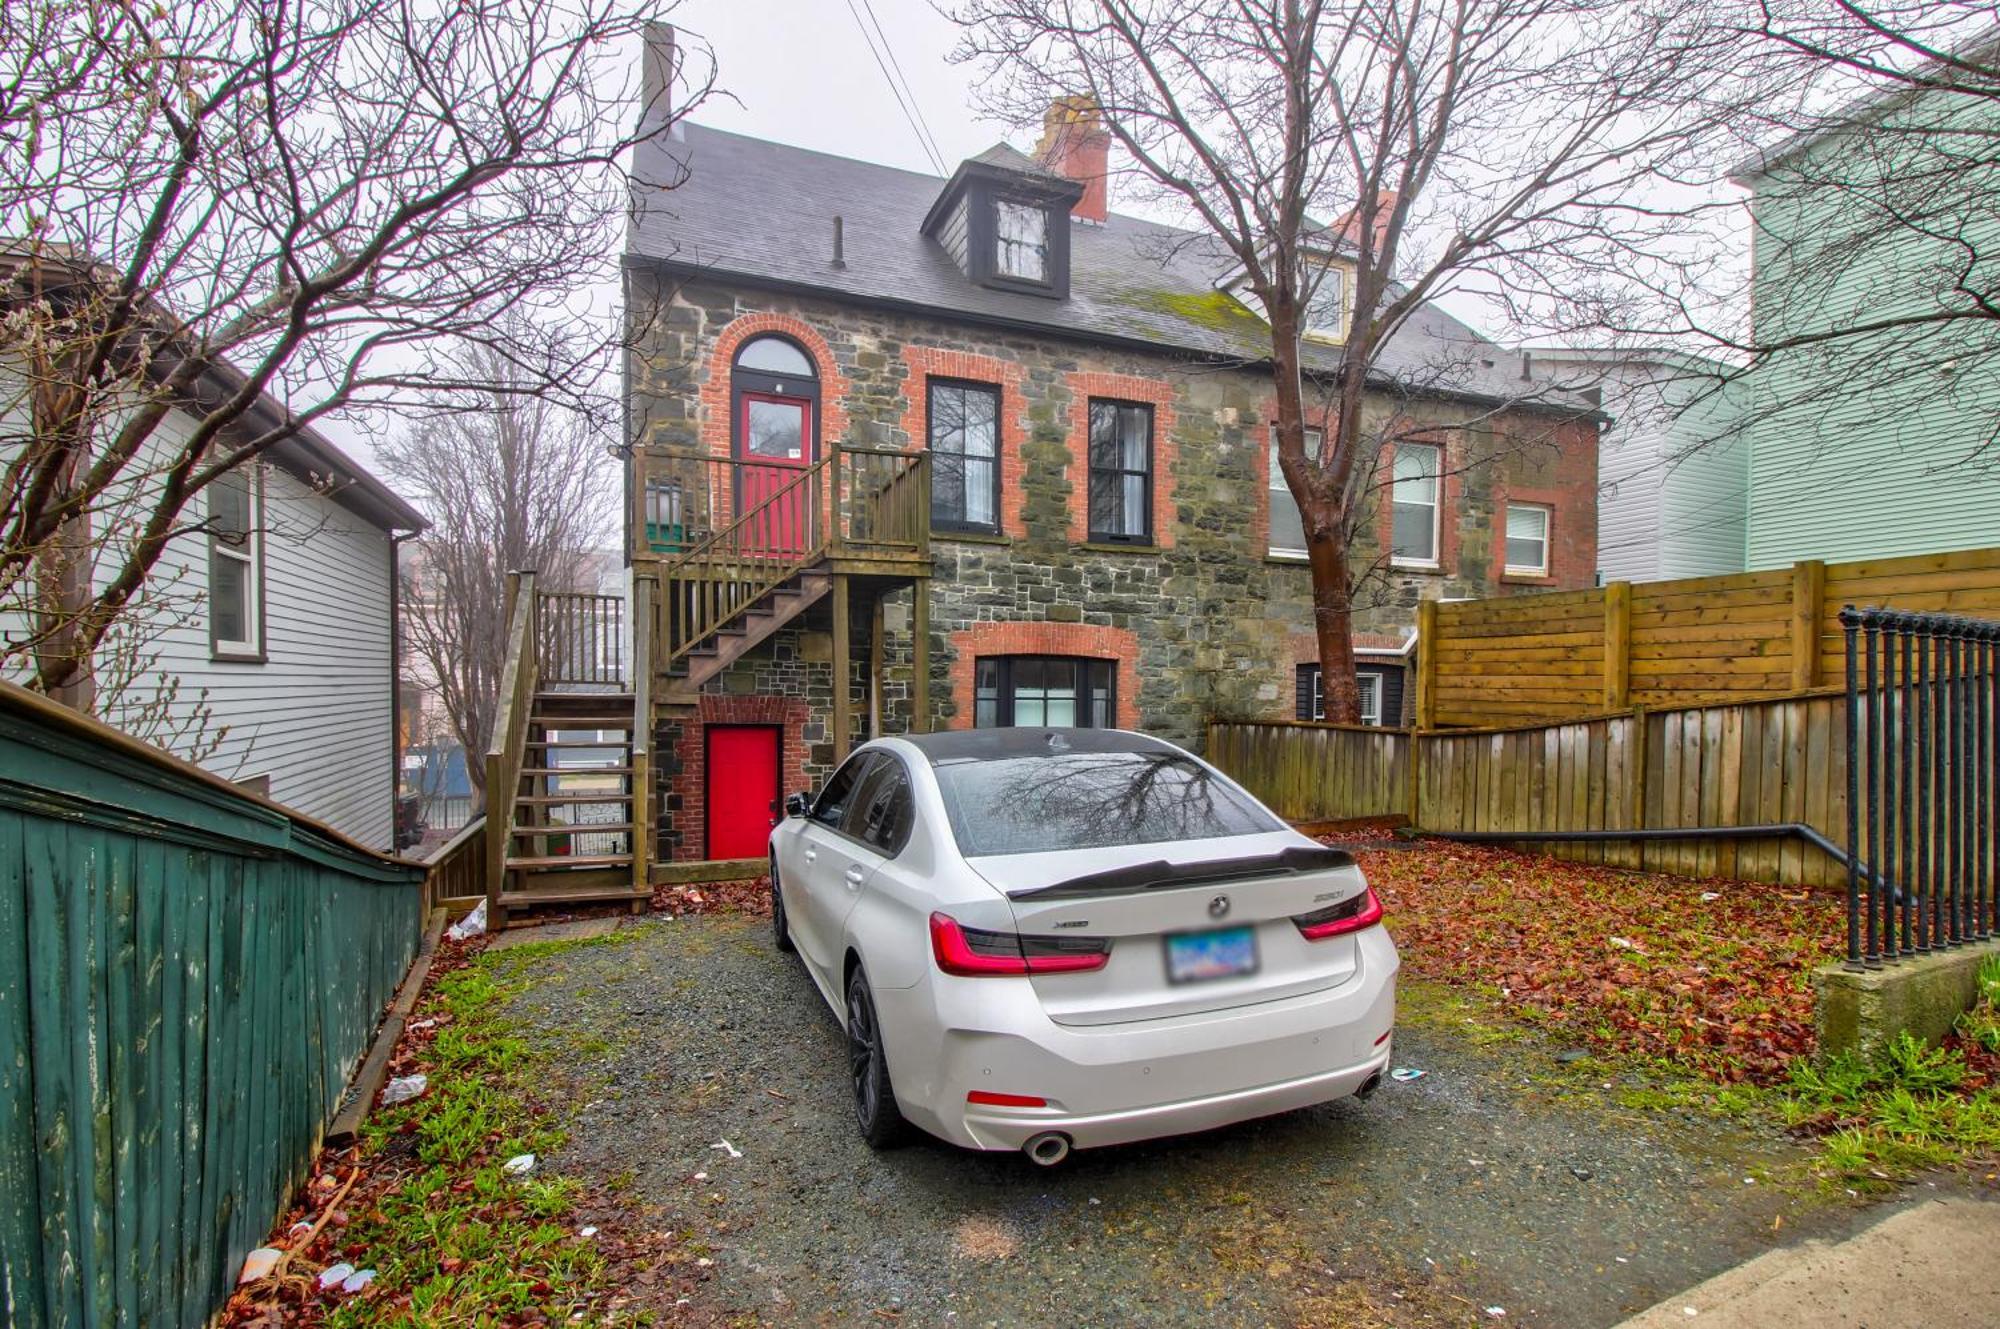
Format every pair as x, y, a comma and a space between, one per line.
396, 678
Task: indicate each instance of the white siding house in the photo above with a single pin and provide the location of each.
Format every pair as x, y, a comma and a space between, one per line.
1673, 475
269, 658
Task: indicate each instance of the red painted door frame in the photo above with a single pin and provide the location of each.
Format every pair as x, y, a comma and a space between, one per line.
753, 807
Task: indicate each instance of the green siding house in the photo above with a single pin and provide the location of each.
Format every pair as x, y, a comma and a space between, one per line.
1886, 443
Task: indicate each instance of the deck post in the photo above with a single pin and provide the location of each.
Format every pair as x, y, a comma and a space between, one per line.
1426, 662
843, 638
920, 677
875, 667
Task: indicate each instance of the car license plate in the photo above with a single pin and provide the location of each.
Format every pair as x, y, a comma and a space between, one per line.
1195, 956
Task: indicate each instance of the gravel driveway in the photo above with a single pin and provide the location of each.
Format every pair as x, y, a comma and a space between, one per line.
1470, 1188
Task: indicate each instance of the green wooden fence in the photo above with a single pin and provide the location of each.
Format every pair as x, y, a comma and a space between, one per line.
188, 976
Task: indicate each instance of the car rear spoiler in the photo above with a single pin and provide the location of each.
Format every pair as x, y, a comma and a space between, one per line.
1157, 875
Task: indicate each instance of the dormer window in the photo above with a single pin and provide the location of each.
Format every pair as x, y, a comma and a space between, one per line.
1004, 219
1021, 241
1326, 308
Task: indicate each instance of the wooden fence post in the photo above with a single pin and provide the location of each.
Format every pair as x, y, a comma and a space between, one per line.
1808, 590
1426, 660
1617, 645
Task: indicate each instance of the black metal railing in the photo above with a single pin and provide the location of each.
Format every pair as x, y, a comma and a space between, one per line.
1923, 768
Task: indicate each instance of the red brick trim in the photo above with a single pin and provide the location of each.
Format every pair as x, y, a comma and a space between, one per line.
690, 779
1085, 640
714, 397
1155, 392
924, 363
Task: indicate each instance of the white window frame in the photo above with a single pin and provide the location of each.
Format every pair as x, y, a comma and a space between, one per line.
1548, 524
1276, 492
1369, 688
249, 553
1436, 505
1314, 326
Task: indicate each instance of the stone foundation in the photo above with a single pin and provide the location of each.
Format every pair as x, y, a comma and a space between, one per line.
1863, 1010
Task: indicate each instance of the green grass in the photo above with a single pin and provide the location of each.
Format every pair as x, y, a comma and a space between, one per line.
454, 1240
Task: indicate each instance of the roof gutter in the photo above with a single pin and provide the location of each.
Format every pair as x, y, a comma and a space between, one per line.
669, 267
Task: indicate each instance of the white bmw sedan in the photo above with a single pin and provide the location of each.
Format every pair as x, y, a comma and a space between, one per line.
1046, 938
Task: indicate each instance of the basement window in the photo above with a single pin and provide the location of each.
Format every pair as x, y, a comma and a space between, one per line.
1038, 690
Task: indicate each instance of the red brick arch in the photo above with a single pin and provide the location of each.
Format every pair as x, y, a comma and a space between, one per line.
1085, 640
715, 404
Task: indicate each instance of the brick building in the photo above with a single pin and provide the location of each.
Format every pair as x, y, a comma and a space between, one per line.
1072, 405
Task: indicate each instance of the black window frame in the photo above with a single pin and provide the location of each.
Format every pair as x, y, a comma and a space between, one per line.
993, 390
1086, 692
982, 217
1096, 533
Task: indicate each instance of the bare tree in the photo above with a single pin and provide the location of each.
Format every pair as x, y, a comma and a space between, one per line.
521, 483
1518, 149
1878, 243
215, 205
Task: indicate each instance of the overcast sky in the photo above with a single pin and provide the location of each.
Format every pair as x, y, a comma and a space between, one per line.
801, 74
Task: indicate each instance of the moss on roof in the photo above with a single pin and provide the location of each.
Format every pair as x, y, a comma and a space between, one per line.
1217, 311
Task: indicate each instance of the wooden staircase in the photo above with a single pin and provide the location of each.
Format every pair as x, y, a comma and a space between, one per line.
570, 838
571, 832
709, 656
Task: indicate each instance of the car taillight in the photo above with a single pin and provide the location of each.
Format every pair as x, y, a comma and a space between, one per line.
976, 953
1350, 915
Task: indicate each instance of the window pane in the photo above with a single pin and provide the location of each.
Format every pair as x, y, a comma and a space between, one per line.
1326, 310
1527, 537
229, 597
229, 506
1135, 435
979, 495
980, 412
986, 694
1133, 514
831, 806
775, 429
1104, 513
774, 355
1022, 233
1066, 801
1102, 695
1413, 533
1103, 434
1288, 528
1413, 527
947, 487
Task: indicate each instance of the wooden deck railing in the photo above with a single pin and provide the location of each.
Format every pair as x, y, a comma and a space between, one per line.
580, 638
456, 870
726, 531
518, 681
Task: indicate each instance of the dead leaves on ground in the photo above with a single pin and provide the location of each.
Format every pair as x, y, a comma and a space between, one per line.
1714, 975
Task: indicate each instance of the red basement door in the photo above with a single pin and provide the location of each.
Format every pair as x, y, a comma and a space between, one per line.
743, 793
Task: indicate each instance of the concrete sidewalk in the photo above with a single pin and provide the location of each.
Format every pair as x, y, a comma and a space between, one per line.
1936, 1266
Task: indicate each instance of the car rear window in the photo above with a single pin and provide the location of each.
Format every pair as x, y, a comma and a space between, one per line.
1088, 800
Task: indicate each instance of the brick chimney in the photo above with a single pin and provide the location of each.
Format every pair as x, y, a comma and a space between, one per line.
1075, 145
659, 70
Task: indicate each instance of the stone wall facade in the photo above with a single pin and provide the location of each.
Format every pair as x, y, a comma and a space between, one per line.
1202, 623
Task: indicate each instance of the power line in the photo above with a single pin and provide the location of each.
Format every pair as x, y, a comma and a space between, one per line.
937, 155
937, 161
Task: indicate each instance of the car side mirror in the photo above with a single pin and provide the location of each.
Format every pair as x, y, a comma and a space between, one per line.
796, 805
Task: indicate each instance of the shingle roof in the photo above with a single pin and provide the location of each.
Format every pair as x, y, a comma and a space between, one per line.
763, 212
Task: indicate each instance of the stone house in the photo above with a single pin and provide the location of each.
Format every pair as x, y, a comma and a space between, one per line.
1011, 453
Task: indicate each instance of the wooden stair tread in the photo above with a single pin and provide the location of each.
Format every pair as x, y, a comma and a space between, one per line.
585, 796
569, 861
570, 895
573, 828
576, 770
579, 743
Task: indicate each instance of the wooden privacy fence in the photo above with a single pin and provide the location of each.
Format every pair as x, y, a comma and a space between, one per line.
1700, 641
1309, 772
1775, 761
188, 977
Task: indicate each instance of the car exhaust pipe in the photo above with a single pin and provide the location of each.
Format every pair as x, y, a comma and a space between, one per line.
1048, 1149
1368, 1088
